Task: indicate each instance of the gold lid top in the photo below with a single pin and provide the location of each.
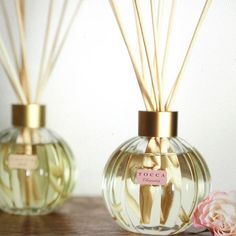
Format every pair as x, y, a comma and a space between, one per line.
30, 116
158, 124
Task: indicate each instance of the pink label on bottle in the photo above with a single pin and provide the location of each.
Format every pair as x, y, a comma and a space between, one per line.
151, 177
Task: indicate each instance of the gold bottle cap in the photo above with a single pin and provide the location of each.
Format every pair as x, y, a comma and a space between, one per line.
158, 124
30, 116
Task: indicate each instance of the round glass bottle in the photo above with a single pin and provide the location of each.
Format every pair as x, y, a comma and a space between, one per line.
153, 183
37, 168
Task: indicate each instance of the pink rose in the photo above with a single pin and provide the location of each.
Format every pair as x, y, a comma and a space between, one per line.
217, 213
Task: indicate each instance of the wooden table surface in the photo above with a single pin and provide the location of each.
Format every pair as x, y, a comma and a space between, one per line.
79, 216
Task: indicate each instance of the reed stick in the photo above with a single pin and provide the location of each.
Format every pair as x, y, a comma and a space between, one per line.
7, 74
155, 38
159, 31
146, 97
58, 30
187, 56
65, 37
24, 69
23, 73
144, 70
137, 9
11, 73
52, 51
142, 54
140, 45
168, 38
22, 10
45, 48
10, 33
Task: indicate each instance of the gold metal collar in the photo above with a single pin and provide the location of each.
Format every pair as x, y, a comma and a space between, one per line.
158, 124
30, 116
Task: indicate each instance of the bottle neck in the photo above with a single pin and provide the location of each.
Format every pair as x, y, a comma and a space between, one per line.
158, 124
29, 116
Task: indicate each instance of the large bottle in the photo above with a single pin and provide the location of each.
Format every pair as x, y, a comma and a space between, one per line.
153, 182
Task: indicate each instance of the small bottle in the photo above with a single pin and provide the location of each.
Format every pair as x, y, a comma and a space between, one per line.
153, 183
37, 168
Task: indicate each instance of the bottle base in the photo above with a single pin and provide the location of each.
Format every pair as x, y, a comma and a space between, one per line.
156, 230
28, 211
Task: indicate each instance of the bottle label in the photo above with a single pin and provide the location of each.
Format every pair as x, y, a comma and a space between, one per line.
23, 162
151, 177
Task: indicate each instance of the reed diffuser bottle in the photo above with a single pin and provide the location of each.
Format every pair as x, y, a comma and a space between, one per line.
37, 168
153, 183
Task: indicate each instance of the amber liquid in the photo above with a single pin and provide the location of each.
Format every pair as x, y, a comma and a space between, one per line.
151, 209
38, 191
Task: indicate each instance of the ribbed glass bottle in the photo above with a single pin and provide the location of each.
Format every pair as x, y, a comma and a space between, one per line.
37, 168
153, 183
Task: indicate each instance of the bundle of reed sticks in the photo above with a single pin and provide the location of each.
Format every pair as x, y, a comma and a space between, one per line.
15, 63
151, 71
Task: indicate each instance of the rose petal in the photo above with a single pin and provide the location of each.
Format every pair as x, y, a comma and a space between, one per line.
218, 213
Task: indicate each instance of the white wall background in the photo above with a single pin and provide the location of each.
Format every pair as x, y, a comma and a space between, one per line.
93, 97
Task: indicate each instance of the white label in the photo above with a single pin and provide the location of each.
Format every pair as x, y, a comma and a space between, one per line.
23, 162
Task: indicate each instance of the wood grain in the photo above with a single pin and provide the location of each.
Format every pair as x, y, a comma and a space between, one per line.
79, 216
